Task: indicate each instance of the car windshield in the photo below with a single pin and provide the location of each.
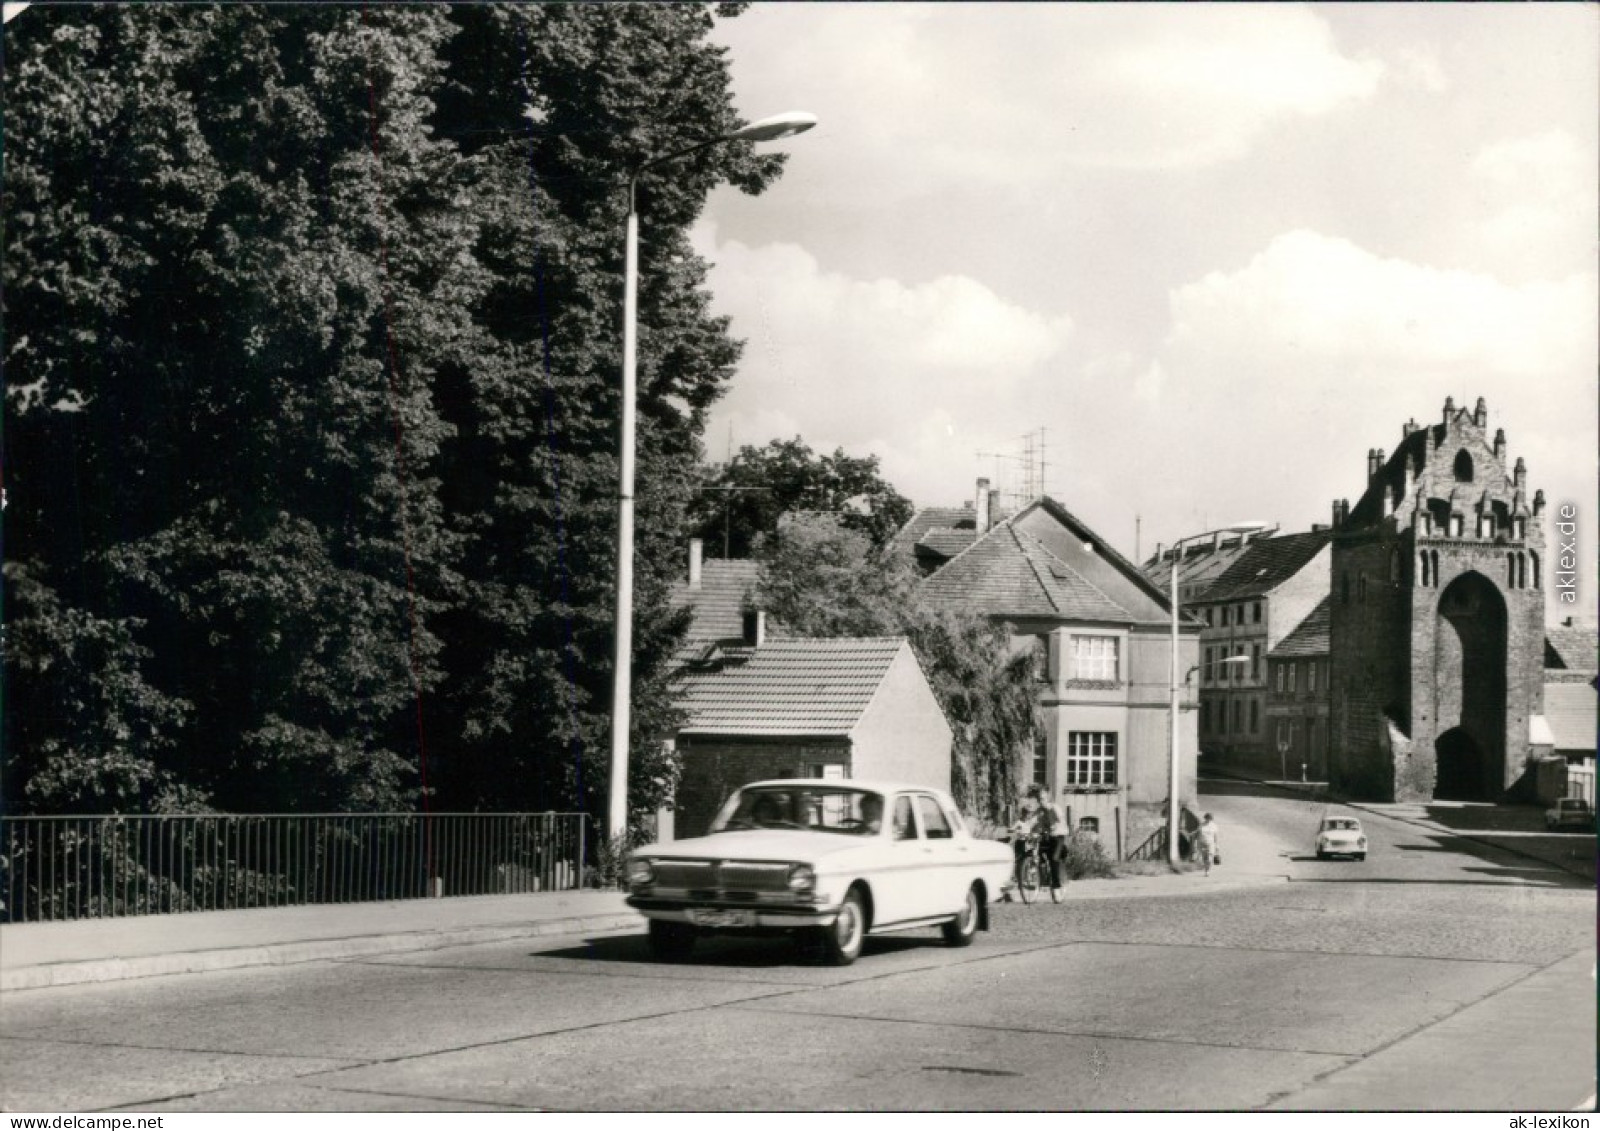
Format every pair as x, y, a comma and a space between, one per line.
1337, 823
820, 808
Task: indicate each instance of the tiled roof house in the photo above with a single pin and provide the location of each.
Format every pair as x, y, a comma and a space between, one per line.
761, 704
1100, 635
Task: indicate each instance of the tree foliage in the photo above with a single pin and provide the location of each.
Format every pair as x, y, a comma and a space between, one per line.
745, 498
313, 335
821, 579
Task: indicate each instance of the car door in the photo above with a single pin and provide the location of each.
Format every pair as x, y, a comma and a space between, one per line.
945, 883
899, 887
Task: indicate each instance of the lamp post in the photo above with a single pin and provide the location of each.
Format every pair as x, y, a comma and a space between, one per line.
1172, 706
767, 129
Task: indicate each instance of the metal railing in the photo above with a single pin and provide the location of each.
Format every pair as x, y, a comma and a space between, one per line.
55, 868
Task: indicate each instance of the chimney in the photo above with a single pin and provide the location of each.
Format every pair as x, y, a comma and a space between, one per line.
1319, 528
1161, 552
1538, 501
983, 506
1372, 463
1480, 414
1519, 475
994, 506
1335, 523
1407, 428
755, 627
696, 557
1500, 444
1449, 408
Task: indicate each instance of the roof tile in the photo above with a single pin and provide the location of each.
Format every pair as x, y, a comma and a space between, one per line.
789, 687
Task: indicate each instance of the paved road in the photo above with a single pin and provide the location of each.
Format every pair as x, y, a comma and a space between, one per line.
1437, 975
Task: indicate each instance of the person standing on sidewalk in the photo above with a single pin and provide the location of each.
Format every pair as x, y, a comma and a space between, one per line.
1209, 844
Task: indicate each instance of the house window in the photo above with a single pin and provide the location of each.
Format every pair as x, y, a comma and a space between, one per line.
1255, 613
1041, 659
1094, 657
1209, 617
1226, 613
1091, 758
1294, 677
1311, 676
1238, 716
1041, 758
1255, 662
1205, 714
1279, 679
1222, 716
1255, 716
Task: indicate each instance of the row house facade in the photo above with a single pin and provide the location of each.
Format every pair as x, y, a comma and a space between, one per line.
1297, 699
1249, 609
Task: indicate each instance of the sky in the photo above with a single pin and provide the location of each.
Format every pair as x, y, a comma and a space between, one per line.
1205, 256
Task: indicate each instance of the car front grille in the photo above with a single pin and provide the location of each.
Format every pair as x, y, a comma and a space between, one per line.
723, 879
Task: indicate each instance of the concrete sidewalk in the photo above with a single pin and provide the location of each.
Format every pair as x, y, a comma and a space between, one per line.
34, 955
38, 955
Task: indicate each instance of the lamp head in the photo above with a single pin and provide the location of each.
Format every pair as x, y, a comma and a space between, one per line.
775, 127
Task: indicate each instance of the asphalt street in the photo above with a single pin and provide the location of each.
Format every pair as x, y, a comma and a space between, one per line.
1439, 974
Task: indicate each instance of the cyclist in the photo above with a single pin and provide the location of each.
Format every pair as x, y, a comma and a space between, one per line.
1050, 825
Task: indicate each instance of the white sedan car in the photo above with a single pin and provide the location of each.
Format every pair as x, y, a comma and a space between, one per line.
1341, 836
837, 860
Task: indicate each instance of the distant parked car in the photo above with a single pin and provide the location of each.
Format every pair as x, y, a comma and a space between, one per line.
1570, 811
832, 860
1341, 836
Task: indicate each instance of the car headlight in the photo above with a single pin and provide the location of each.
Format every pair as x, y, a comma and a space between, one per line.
1361, 842
641, 871
802, 878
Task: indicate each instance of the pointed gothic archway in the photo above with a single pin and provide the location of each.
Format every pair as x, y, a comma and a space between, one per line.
1470, 690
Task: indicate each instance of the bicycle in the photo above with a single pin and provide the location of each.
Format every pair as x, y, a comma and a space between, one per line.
1031, 867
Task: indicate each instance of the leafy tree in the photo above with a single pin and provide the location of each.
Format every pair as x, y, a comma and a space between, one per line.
820, 579
312, 356
743, 499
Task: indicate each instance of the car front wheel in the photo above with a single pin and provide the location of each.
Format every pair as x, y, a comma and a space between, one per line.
961, 930
841, 942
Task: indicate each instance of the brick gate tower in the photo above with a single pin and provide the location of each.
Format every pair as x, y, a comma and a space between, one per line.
1436, 634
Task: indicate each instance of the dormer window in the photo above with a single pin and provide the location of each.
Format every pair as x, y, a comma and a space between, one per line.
1463, 467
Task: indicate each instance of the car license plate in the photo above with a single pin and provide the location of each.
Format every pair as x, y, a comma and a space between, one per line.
719, 917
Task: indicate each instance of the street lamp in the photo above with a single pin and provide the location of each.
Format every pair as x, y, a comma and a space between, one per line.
767, 129
1172, 706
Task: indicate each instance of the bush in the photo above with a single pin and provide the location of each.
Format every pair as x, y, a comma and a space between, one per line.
1086, 858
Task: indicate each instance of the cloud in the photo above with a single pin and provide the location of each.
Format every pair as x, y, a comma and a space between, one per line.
1310, 304
924, 375
1279, 374
957, 91
1538, 193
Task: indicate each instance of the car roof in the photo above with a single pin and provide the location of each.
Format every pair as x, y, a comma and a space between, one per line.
870, 785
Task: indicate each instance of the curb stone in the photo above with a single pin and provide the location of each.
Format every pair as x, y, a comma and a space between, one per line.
288, 954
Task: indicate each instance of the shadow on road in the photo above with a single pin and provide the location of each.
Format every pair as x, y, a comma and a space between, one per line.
746, 952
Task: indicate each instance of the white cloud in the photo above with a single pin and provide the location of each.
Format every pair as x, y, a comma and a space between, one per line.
922, 375
1538, 193
956, 91
1282, 372
1311, 303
